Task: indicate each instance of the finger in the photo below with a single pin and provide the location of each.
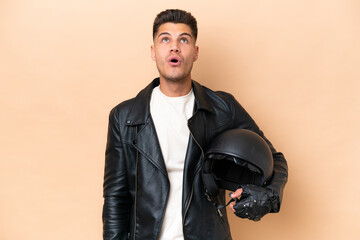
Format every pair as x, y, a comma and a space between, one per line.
236, 194
231, 206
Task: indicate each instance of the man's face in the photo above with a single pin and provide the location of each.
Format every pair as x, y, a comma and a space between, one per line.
174, 52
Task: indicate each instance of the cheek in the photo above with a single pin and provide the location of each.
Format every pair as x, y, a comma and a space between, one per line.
159, 55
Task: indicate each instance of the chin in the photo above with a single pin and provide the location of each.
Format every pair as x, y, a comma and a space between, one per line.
176, 78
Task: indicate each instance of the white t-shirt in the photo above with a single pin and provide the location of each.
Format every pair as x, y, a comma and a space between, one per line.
170, 115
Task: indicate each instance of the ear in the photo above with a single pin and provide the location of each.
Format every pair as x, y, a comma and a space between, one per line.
196, 53
153, 57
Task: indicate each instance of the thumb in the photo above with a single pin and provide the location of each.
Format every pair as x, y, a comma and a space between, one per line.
237, 193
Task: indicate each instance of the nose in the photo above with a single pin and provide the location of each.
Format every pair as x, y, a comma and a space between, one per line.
175, 48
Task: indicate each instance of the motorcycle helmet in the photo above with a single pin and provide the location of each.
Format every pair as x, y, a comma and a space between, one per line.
235, 157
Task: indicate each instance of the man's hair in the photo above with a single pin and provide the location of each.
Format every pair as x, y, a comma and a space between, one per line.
175, 16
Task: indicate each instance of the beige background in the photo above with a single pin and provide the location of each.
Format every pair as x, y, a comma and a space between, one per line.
294, 65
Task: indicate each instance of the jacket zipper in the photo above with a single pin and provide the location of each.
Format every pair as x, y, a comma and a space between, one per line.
221, 216
192, 186
136, 186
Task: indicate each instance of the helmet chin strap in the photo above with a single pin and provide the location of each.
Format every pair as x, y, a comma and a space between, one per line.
230, 201
224, 206
221, 206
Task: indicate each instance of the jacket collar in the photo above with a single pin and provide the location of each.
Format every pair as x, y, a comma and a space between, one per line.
140, 110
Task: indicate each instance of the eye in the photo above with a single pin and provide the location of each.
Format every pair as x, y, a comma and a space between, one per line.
183, 40
165, 40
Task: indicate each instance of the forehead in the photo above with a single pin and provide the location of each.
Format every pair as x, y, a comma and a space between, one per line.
174, 29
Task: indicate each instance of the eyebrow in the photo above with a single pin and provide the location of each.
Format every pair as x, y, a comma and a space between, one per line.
183, 34
186, 34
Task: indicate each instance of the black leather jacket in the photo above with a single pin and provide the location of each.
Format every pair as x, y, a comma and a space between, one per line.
136, 186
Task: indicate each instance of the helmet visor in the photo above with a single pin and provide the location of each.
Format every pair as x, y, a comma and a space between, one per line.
230, 172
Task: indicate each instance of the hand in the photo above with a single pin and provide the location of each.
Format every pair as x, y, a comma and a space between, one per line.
235, 195
254, 203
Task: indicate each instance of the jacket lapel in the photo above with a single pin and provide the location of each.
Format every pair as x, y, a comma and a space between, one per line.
197, 142
146, 141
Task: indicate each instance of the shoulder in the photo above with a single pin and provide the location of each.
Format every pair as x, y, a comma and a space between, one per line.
123, 106
215, 93
137, 105
119, 112
225, 96
216, 97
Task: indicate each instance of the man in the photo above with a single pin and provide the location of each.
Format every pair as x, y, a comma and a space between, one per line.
156, 141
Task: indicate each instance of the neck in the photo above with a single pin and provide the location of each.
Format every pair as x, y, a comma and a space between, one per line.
175, 89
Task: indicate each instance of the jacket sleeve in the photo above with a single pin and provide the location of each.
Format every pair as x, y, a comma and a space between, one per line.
117, 201
280, 175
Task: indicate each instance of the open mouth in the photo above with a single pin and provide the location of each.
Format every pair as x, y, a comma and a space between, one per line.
174, 61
